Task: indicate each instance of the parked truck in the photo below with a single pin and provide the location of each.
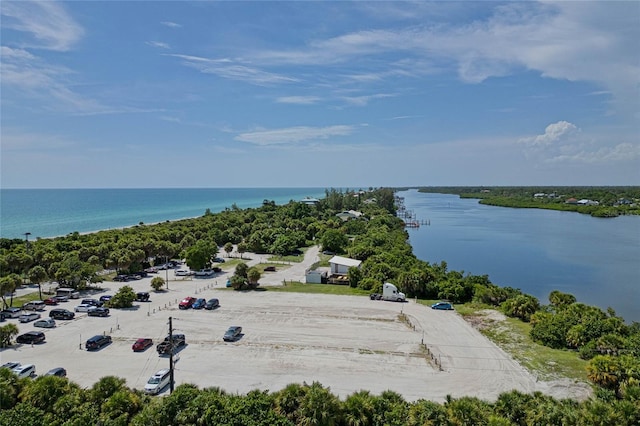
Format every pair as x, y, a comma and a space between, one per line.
389, 292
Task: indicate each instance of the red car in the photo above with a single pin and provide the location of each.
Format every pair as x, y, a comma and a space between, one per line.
51, 301
141, 344
187, 302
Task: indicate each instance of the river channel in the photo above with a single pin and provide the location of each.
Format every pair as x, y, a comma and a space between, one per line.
538, 251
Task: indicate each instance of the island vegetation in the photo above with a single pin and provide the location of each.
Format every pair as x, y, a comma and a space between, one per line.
597, 201
609, 346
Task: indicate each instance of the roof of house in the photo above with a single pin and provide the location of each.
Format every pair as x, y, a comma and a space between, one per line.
345, 261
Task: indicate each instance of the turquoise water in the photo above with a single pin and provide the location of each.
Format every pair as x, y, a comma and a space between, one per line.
537, 251
55, 212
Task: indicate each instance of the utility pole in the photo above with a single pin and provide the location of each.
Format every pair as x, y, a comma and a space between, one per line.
171, 356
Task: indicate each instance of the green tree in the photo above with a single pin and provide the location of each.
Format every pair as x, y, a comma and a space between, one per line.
241, 270
123, 298
253, 276
38, 275
334, 240
241, 248
354, 274
7, 333
10, 387
228, 248
319, 407
200, 254
157, 283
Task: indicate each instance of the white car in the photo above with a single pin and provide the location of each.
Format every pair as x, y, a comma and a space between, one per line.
29, 317
26, 370
158, 381
83, 307
182, 272
45, 323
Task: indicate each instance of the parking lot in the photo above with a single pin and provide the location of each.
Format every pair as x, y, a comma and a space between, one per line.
346, 342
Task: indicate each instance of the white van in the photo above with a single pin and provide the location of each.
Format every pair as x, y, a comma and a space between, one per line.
158, 381
69, 293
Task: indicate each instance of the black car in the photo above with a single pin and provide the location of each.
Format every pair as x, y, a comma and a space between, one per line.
58, 372
92, 302
31, 337
61, 314
171, 343
98, 312
142, 296
233, 333
96, 342
212, 304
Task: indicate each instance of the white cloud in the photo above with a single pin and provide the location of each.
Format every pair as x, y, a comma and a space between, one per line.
299, 100
48, 22
293, 134
553, 133
364, 100
170, 24
158, 44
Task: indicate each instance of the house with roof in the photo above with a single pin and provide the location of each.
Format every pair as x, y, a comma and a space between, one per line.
349, 214
310, 201
339, 268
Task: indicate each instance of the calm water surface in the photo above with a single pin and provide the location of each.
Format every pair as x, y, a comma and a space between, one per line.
537, 251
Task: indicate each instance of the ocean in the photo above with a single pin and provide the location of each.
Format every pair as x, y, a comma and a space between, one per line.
55, 212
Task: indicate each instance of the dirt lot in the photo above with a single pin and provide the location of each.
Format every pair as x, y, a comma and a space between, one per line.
347, 343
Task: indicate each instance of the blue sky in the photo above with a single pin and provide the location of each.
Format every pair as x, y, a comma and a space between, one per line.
319, 94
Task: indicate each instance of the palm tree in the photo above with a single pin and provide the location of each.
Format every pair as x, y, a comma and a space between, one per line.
37, 275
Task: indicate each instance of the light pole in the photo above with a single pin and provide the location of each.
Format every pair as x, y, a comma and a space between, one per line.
26, 240
166, 271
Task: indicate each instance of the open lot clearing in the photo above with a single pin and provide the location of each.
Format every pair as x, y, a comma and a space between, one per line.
345, 342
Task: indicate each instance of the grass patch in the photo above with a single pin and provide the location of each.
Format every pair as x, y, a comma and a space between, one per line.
512, 335
295, 258
298, 287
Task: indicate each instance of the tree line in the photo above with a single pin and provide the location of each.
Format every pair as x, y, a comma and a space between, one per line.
50, 400
612, 200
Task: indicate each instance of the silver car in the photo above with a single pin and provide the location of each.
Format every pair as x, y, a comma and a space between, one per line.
32, 316
45, 323
83, 307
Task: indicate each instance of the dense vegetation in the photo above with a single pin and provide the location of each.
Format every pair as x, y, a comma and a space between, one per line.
56, 401
611, 201
379, 240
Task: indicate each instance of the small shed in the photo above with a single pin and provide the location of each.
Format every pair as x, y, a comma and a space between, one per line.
340, 265
316, 276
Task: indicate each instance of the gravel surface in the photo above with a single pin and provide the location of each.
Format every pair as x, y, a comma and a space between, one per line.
348, 343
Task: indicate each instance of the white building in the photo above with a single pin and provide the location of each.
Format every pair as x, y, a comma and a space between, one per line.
340, 265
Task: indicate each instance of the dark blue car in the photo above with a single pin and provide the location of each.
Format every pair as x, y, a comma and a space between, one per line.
199, 304
445, 306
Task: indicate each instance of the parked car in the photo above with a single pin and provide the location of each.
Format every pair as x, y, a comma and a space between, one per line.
27, 370
199, 304
98, 312
61, 314
171, 343
141, 344
97, 342
158, 381
204, 273
218, 260
32, 316
269, 268
10, 365
58, 372
52, 301
92, 302
105, 298
121, 278
232, 334
83, 308
61, 298
31, 337
187, 302
12, 312
34, 305
45, 323
142, 296
445, 306
182, 272
212, 304
152, 270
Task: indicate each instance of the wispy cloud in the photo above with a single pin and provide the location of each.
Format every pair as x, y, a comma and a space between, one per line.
299, 100
293, 134
48, 22
170, 24
158, 44
364, 100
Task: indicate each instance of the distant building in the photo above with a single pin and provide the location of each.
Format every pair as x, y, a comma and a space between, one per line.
351, 214
586, 202
539, 195
571, 201
340, 265
310, 201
